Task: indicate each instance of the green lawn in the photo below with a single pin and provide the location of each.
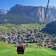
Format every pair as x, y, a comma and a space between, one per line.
10, 50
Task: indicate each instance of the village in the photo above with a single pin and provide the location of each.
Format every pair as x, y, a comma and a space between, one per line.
29, 36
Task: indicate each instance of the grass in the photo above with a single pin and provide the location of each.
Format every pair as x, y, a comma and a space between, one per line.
8, 27
10, 50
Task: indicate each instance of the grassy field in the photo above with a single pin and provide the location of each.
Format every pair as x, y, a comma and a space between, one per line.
10, 50
8, 27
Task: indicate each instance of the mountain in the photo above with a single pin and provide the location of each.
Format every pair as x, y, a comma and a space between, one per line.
50, 28
2, 11
29, 14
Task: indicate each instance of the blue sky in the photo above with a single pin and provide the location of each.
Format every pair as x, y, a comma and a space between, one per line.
7, 4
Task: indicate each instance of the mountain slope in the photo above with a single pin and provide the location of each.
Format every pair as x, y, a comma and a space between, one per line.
50, 28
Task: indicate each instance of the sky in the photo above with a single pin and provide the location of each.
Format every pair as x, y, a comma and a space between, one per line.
7, 4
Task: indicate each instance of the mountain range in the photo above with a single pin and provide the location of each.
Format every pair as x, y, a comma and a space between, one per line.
20, 14
2, 11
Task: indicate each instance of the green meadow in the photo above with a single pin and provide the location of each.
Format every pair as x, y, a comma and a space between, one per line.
10, 50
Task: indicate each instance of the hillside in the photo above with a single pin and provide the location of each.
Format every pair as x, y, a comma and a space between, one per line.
20, 14
50, 28
10, 50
